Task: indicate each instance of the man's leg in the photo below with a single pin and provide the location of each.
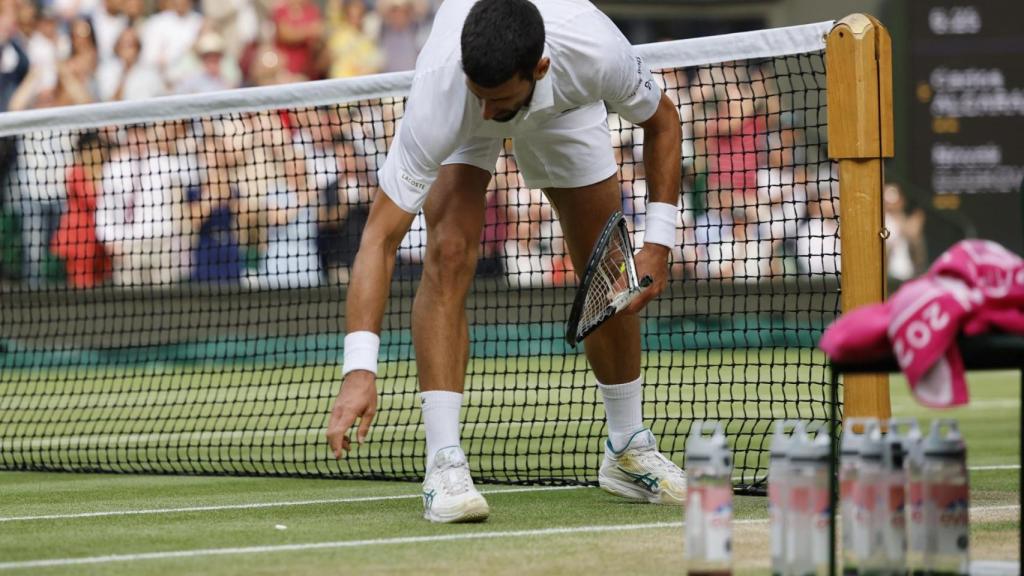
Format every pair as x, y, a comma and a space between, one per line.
632, 467
455, 216
613, 349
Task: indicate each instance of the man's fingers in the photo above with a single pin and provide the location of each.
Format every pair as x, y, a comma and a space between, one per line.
338, 433
639, 302
652, 290
364, 426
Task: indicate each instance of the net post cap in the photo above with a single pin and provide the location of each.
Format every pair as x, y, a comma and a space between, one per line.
858, 24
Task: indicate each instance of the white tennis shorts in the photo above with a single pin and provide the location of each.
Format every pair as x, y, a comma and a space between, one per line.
568, 151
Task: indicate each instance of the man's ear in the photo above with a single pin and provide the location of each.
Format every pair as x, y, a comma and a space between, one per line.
542, 68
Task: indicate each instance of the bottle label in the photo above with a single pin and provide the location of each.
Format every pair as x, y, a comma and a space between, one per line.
820, 511
915, 517
807, 541
776, 519
709, 533
847, 512
865, 498
895, 538
948, 512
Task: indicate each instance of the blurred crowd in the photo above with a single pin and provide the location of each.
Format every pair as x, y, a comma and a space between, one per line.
279, 198
61, 52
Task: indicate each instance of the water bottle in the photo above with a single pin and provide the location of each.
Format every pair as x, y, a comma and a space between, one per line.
916, 529
944, 472
902, 436
808, 525
779, 486
708, 501
854, 431
868, 515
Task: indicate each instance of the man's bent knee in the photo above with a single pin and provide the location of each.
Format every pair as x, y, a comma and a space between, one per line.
451, 258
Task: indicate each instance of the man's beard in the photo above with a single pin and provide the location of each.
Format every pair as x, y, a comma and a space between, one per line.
509, 116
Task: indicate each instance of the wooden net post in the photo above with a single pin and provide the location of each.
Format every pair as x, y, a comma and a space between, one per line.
858, 60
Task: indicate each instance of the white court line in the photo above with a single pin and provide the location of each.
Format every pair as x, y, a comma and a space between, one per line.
259, 505
345, 544
350, 500
52, 562
994, 467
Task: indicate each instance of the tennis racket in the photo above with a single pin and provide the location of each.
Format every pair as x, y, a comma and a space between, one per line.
609, 282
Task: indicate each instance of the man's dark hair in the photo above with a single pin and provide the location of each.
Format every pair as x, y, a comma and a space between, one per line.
501, 38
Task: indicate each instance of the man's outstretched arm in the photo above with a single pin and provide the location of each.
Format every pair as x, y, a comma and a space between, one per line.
662, 166
364, 309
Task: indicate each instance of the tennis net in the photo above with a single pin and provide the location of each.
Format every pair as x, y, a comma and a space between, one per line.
174, 277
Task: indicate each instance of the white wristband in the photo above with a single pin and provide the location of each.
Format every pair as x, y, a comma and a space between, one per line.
361, 350
661, 224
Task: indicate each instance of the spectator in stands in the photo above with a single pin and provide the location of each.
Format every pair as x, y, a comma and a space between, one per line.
351, 51
312, 134
299, 36
210, 75
267, 68
76, 76
213, 205
36, 196
14, 62
236, 21
71, 9
291, 259
781, 193
713, 236
168, 36
109, 22
402, 34
41, 29
134, 11
733, 134
905, 253
817, 242
14, 66
138, 217
751, 256
343, 210
86, 262
126, 77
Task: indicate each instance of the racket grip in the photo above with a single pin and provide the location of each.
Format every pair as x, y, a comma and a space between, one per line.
646, 281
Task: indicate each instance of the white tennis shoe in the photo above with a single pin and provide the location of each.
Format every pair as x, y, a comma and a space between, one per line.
448, 491
640, 473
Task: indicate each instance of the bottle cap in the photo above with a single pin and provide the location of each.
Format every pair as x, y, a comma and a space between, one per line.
902, 441
809, 446
872, 443
854, 432
785, 432
703, 448
948, 445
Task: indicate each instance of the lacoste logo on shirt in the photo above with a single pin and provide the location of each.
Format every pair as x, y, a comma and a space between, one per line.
411, 182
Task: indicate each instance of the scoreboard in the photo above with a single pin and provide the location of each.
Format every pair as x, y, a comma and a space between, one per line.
967, 115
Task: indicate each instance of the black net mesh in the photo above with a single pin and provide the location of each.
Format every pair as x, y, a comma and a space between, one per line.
173, 293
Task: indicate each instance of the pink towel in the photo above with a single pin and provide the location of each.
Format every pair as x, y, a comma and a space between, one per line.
975, 287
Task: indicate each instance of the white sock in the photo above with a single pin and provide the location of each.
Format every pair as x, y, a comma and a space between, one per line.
441, 420
623, 406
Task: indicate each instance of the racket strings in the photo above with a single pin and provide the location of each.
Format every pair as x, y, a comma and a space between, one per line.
610, 286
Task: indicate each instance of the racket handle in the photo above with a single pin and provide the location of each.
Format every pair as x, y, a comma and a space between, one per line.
646, 281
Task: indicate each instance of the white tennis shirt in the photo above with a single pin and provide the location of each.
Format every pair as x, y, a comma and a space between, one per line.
591, 61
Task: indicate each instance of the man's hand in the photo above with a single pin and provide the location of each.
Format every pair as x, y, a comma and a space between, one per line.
652, 262
357, 399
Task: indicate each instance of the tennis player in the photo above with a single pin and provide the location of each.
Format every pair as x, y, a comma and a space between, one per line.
543, 75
